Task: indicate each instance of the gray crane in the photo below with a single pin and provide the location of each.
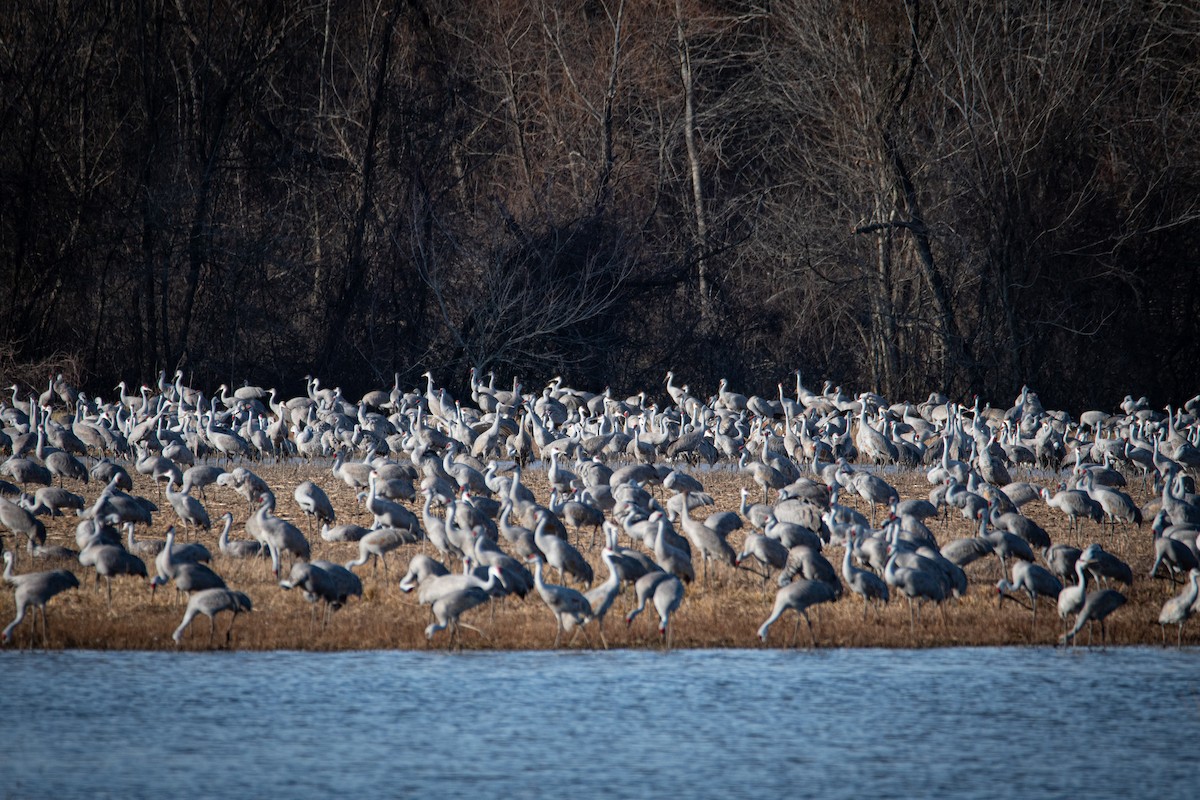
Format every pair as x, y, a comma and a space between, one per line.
236, 548
210, 603
666, 592
569, 606
915, 584
111, 561
1097, 606
323, 582
18, 520
707, 541
387, 513
448, 608
767, 551
799, 596
867, 585
671, 559
420, 569
1034, 580
1074, 504
278, 534
1103, 564
1178, 608
601, 597
377, 544
314, 503
35, 589
560, 554
189, 510
188, 576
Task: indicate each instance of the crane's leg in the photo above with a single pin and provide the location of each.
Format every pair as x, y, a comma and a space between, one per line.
811, 635
796, 631
212, 628
108, 583
229, 633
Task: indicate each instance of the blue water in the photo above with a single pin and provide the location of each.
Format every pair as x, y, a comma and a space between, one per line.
1012, 722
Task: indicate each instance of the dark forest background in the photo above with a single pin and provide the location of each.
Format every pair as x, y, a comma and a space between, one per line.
955, 195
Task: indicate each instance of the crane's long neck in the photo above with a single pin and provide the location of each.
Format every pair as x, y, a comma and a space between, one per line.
223, 542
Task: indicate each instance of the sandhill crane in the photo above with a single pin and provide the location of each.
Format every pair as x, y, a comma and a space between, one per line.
278, 534
916, 584
867, 585
1021, 525
188, 576
148, 548
433, 582
792, 535
800, 596
1004, 544
967, 550
561, 555
1034, 580
18, 520
51, 500
707, 542
420, 569
388, 514
763, 474
448, 608
314, 503
1104, 564
669, 558
666, 592
873, 444
62, 464
757, 513
348, 532
377, 544
1074, 504
247, 484
1117, 505
211, 602
241, 548
319, 584
26, 471
200, 477
189, 510
601, 598
569, 606
1097, 606
111, 561
1175, 554
578, 513
1178, 608
769, 552
35, 589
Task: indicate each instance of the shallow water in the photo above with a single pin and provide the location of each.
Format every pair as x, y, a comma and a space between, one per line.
840, 723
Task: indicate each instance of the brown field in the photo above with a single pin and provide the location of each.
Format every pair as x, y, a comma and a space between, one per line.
725, 613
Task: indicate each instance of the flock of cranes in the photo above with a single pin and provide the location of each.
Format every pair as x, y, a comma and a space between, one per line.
444, 484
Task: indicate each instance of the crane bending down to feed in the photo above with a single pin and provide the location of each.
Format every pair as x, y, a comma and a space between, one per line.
799, 595
211, 602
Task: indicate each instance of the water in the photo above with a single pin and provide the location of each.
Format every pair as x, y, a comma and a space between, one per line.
1007, 722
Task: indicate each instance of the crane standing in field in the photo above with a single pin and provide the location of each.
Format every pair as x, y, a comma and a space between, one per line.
35, 589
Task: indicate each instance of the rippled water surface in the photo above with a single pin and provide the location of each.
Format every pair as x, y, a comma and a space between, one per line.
844, 723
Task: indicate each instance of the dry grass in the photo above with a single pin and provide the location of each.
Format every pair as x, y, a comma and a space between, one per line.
725, 613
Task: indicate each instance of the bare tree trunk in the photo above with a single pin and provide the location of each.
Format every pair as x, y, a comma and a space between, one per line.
700, 255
